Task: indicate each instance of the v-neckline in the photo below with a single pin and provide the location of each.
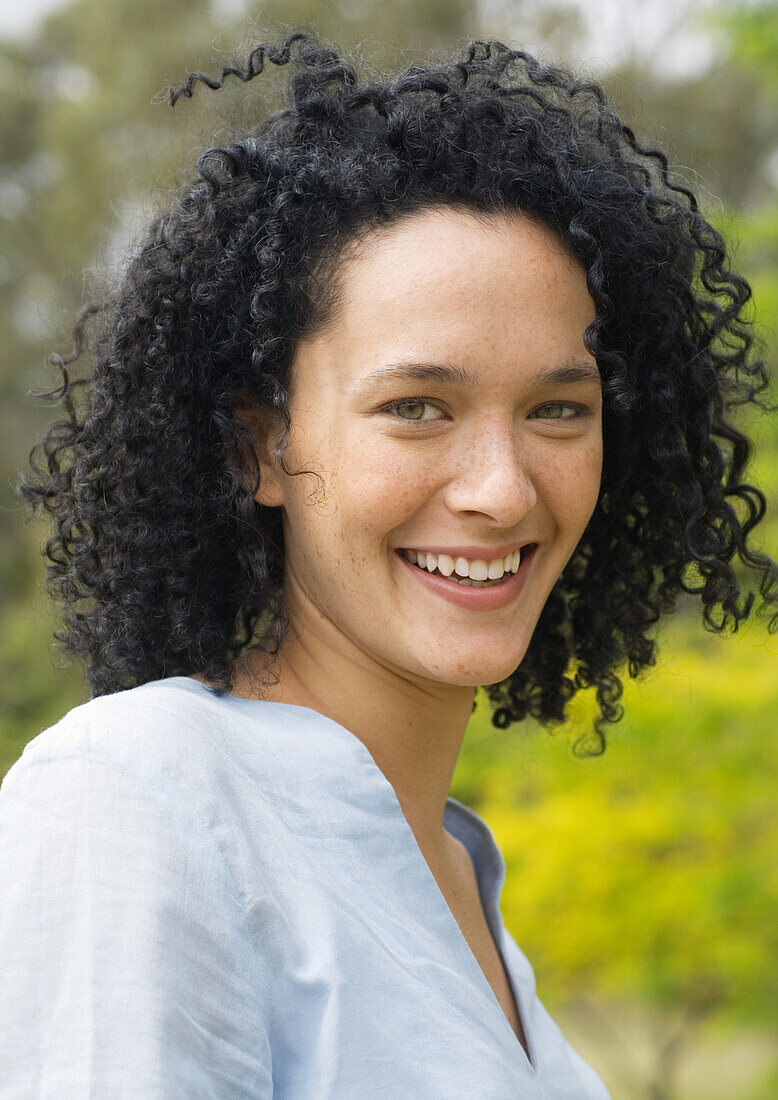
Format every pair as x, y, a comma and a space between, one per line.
487, 863
475, 835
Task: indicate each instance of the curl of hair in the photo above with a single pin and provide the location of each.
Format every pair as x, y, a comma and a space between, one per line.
163, 561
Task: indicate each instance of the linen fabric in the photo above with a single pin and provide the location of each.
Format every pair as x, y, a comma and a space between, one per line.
211, 897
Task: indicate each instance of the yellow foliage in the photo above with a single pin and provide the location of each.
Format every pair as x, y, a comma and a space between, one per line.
648, 871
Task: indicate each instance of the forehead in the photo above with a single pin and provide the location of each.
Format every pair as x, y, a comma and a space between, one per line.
448, 283
442, 245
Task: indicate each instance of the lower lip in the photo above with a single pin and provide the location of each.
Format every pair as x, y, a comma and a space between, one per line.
490, 598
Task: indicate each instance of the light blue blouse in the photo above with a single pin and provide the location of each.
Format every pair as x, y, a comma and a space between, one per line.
209, 897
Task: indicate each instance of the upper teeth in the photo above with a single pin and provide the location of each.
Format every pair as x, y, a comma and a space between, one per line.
476, 569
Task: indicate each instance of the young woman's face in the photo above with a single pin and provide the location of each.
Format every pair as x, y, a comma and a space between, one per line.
431, 411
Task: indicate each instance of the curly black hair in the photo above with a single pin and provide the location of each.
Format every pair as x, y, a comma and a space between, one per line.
164, 562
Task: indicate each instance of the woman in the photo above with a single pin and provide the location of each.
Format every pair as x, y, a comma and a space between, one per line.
419, 386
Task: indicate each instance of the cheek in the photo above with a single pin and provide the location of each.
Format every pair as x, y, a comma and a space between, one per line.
364, 493
571, 485
382, 489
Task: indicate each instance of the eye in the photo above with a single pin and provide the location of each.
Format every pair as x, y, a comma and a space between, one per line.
411, 409
557, 408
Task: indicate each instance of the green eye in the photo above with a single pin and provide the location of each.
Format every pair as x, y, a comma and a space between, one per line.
411, 409
559, 406
416, 407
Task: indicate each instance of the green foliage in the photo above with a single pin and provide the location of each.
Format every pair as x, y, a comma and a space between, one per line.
751, 33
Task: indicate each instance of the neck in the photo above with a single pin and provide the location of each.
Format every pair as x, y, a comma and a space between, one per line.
413, 728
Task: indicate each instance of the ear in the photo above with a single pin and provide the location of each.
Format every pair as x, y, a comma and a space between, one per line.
264, 428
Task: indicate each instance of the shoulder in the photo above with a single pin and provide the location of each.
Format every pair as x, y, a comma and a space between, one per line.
176, 740
147, 726
141, 777
174, 751
173, 739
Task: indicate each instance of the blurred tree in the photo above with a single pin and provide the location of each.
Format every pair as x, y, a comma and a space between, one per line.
750, 37
751, 33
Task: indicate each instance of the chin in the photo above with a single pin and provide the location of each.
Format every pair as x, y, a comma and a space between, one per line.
477, 673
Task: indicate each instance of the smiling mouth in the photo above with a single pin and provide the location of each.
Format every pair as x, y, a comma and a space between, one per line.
458, 570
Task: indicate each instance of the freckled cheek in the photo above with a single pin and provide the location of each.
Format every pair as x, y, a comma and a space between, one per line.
357, 506
570, 487
389, 490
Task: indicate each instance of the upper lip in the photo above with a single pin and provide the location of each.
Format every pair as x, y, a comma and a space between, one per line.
474, 553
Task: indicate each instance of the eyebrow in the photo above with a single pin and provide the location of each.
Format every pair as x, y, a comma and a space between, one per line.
457, 376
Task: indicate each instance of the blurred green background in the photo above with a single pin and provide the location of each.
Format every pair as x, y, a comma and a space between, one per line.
643, 884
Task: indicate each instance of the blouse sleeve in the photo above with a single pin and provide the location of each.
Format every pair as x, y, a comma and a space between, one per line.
126, 964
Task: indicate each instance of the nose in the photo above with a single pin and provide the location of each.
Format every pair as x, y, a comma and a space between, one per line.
492, 478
